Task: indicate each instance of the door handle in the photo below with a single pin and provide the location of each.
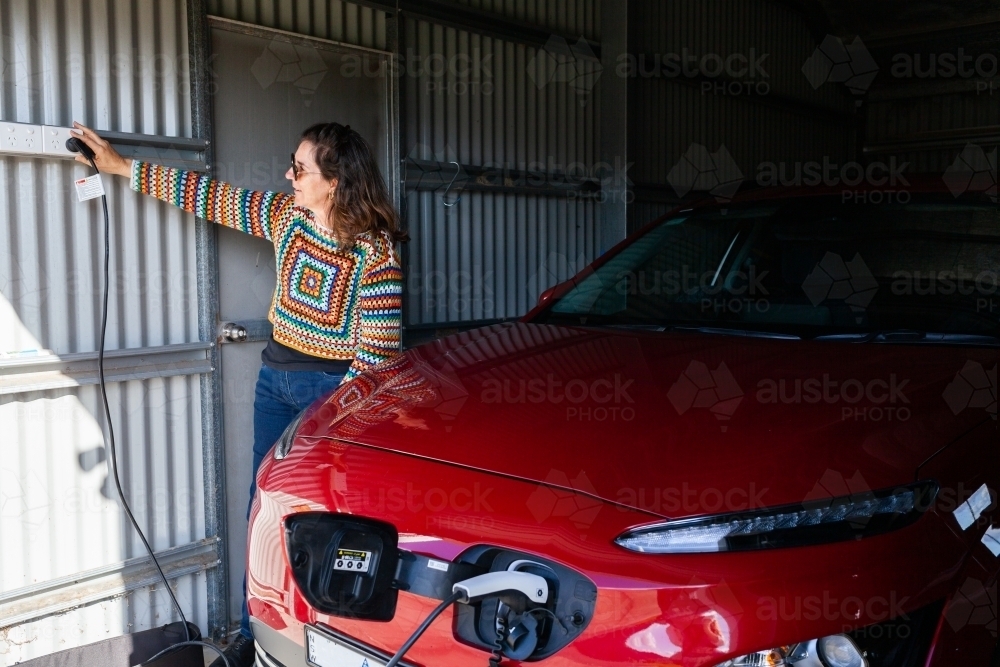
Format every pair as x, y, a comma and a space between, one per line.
234, 333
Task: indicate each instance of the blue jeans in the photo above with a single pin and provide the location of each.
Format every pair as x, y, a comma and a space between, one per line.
279, 397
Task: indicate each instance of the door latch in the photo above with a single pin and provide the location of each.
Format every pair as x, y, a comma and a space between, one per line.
234, 333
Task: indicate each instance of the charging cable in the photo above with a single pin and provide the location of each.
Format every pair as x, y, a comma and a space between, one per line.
532, 586
455, 597
78, 146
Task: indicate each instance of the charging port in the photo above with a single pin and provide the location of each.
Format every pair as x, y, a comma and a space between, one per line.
520, 628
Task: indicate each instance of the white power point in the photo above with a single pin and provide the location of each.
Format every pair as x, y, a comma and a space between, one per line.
54, 141
38, 140
20, 138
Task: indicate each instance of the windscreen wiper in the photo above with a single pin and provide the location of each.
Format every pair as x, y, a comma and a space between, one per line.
719, 331
910, 336
744, 333
639, 327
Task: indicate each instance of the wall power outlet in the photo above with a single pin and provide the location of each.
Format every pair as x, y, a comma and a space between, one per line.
34, 140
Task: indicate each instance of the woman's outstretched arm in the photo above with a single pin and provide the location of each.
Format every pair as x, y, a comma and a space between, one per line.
254, 212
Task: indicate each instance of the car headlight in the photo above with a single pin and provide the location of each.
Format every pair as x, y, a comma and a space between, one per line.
283, 445
839, 651
832, 651
831, 520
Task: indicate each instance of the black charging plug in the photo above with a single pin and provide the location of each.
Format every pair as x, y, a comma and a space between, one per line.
74, 145
522, 637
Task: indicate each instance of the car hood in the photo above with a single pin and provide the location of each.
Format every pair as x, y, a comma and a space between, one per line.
675, 424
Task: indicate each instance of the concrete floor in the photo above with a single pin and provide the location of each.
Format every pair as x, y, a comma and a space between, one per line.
210, 656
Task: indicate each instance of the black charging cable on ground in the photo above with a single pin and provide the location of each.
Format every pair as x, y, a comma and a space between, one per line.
78, 146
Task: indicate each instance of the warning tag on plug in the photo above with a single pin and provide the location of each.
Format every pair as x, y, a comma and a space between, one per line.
89, 188
350, 560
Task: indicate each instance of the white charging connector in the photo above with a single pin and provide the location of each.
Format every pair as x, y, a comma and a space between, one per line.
491, 583
534, 587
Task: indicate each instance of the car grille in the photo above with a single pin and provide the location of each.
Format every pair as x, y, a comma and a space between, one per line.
263, 659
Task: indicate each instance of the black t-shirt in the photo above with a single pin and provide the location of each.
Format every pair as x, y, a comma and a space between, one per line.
284, 358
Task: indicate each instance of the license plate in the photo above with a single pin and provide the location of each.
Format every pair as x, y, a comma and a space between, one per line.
328, 648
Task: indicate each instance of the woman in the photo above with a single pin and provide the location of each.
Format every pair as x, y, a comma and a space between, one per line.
337, 304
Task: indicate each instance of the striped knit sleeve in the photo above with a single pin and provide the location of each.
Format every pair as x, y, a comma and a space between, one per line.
380, 305
250, 211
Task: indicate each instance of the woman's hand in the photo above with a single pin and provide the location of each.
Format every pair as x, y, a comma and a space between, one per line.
107, 158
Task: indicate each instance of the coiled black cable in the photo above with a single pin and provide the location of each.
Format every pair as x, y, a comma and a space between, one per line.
496, 654
179, 645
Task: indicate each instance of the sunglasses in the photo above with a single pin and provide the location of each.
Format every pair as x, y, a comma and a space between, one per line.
297, 170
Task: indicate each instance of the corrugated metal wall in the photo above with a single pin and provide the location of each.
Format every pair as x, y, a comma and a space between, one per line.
783, 119
566, 17
925, 112
896, 118
642, 212
480, 101
54, 269
328, 19
128, 72
61, 517
123, 66
67, 468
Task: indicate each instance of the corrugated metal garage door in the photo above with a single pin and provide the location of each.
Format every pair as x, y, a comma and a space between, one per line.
66, 577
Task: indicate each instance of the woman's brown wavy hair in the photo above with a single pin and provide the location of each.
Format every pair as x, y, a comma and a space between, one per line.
361, 201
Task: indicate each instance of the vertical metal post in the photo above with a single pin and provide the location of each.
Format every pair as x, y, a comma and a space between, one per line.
614, 122
404, 145
395, 167
392, 108
199, 48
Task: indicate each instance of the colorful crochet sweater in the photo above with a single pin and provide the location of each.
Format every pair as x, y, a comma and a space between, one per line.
328, 303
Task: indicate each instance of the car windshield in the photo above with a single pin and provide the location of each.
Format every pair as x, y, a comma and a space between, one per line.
807, 267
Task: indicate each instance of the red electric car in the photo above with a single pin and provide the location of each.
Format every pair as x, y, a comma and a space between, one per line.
757, 432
